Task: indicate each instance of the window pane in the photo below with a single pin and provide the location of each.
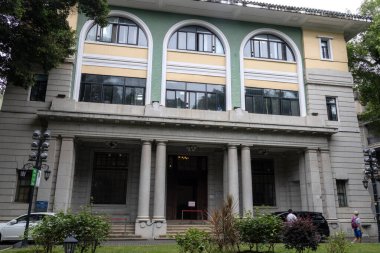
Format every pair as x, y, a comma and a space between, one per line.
132, 35
258, 104
196, 87
218, 46
139, 96
173, 42
175, 85
267, 106
129, 96
289, 54
263, 182
271, 93
170, 99
212, 102
96, 93
275, 106
190, 41
273, 50
117, 95
295, 108
192, 103
247, 49
207, 43
86, 93
261, 37
92, 34
289, 94
142, 39
201, 101
107, 94
256, 49
181, 40
249, 103
263, 49
113, 80
285, 107
180, 98
123, 33
106, 33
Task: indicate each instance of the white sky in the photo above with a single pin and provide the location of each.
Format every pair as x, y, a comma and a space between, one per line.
331, 5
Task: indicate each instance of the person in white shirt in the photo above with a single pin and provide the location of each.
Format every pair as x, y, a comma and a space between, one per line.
291, 217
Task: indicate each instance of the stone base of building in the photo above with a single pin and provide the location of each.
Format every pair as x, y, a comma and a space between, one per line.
150, 229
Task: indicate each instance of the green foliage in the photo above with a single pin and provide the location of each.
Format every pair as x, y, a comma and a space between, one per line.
337, 243
90, 230
35, 35
300, 235
364, 59
224, 231
260, 230
194, 241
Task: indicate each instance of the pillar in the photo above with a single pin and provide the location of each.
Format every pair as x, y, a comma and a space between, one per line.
144, 184
303, 184
246, 179
225, 174
313, 181
328, 186
65, 175
233, 177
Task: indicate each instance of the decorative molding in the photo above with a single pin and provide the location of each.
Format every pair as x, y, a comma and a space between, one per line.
272, 76
227, 50
114, 61
298, 57
196, 69
329, 77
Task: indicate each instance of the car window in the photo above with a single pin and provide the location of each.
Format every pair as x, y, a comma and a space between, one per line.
21, 219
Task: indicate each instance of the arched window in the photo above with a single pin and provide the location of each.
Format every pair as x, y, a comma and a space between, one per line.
196, 38
119, 30
269, 47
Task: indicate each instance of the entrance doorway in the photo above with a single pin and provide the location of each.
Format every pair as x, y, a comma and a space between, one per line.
187, 187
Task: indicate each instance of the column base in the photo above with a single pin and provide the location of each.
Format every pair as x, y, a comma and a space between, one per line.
150, 229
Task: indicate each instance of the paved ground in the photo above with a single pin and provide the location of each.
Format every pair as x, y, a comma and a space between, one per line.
138, 242
5, 246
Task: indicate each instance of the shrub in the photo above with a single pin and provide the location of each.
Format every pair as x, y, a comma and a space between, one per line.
224, 232
193, 241
261, 230
300, 235
337, 243
90, 230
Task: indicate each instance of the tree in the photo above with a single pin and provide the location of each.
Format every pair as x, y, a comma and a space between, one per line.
364, 60
35, 35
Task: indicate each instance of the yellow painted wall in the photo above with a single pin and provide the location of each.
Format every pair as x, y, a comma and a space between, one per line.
196, 58
270, 65
113, 71
311, 40
115, 50
195, 78
270, 85
73, 18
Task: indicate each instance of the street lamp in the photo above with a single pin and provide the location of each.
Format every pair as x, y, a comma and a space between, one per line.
38, 155
69, 244
371, 172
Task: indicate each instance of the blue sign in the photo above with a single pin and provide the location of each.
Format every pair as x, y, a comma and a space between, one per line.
41, 206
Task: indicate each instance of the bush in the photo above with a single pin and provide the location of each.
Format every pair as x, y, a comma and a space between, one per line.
224, 232
194, 241
261, 230
90, 230
300, 235
337, 243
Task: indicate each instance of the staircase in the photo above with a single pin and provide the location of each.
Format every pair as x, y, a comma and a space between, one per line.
180, 227
122, 232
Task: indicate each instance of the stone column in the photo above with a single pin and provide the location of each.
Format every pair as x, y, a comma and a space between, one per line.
303, 184
159, 184
225, 174
144, 185
328, 186
233, 177
313, 181
246, 179
65, 175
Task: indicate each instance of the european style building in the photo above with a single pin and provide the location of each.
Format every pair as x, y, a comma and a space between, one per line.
177, 104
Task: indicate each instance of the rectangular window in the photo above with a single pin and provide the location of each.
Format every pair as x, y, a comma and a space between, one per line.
23, 187
38, 90
270, 101
112, 89
263, 183
325, 48
109, 180
341, 192
332, 111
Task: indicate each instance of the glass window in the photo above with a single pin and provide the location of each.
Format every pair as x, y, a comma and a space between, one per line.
109, 177
195, 96
332, 112
341, 192
268, 46
118, 30
325, 48
195, 38
263, 184
112, 89
270, 101
23, 187
38, 90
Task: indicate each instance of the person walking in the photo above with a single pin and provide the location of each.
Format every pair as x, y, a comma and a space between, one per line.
356, 226
291, 217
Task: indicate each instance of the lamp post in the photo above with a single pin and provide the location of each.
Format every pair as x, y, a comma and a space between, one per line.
69, 244
371, 172
39, 147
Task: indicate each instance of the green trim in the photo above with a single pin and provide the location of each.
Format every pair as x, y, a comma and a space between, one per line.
235, 31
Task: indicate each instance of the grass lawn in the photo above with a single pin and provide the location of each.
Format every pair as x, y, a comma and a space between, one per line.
172, 248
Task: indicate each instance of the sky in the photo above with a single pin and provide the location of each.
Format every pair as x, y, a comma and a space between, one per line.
332, 5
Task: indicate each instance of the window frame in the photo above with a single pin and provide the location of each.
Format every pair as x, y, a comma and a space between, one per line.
23, 190
269, 41
40, 83
329, 110
268, 175
341, 192
328, 41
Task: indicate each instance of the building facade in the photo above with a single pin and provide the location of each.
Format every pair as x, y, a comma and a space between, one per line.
175, 105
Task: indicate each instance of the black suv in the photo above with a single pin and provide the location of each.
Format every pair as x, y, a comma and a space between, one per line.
318, 220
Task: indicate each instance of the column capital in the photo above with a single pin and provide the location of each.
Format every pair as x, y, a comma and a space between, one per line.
232, 145
146, 141
246, 146
162, 141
